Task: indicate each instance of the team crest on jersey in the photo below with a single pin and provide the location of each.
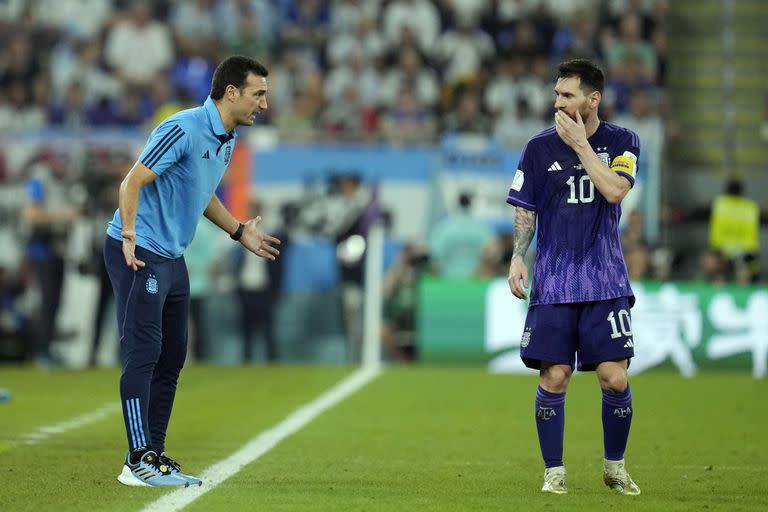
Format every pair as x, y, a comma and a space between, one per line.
227, 154
605, 157
151, 284
526, 339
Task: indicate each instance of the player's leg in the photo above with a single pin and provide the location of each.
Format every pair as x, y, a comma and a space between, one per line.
606, 345
548, 344
617, 419
139, 301
550, 423
166, 374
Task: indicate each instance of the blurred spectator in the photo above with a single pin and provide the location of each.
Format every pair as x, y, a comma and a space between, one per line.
306, 26
635, 248
71, 112
138, 47
660, 42
566, 10
625, 82
258, 290
127, 111
263, 12
101, 177
525, 41
165, 102
734, 231
297, 123
200, 257
195, 28
81, 19
341, 216
13, 14
409, 123
19, 113
456, 242
363, 38
468, 116
348, 15
348, 119
418, 17
191, 76
357, 72
292, 73
638, 260
513, 129
463, 51
248, 33
18, 63
497, 255
410, 73
83, 66
400, 294
577, 40
714, 267
14, 322
630, 42
504, 90
49, 213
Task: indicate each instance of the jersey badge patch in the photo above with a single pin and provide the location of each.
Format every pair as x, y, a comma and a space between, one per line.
518, 180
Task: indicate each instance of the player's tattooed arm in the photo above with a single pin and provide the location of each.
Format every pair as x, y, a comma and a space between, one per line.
525, 227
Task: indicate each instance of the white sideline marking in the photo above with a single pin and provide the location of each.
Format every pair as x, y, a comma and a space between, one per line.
261, 444
44, 433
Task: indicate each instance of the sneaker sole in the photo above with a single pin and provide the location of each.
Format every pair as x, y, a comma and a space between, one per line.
126, 477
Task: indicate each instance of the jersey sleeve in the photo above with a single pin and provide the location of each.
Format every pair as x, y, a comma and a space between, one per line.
627, 155
522, 192
167, 144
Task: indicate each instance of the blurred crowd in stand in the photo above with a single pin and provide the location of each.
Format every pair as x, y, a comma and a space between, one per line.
394, 72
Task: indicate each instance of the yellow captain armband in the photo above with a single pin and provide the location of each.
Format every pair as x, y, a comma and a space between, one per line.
625, 163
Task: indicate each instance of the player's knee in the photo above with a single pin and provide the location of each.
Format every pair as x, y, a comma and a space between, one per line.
555, 378
615, 382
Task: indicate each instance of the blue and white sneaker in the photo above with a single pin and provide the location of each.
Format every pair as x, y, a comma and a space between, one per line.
176, 470
149, 472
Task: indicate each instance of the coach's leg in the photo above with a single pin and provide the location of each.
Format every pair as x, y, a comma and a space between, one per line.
139, 303
174, 352
617, 407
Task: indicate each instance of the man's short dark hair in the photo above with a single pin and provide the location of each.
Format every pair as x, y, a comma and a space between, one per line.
592, 78
233, 71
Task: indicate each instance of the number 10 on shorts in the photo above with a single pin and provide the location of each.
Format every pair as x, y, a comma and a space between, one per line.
623, 322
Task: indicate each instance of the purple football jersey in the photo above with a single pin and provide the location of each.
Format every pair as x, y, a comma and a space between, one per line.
578, 247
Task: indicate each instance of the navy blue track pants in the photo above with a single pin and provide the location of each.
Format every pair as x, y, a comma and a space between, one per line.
152, 311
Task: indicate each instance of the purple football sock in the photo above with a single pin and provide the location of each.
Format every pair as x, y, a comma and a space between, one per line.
550, 423
617, 417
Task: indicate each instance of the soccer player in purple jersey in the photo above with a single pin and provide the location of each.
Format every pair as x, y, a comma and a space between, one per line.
571, 178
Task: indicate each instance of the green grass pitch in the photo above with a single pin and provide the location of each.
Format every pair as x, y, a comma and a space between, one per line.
422, 438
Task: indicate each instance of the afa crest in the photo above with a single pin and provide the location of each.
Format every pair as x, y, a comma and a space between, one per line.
151, 284
227, 154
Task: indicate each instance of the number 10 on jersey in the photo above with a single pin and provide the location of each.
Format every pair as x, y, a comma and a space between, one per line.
586, 190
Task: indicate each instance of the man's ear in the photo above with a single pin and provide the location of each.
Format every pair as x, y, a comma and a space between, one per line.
594, 99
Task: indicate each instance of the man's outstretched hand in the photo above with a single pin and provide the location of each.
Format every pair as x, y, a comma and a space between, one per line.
257, 242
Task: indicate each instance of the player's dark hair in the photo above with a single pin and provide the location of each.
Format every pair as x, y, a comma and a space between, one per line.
592, 77
233, 71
